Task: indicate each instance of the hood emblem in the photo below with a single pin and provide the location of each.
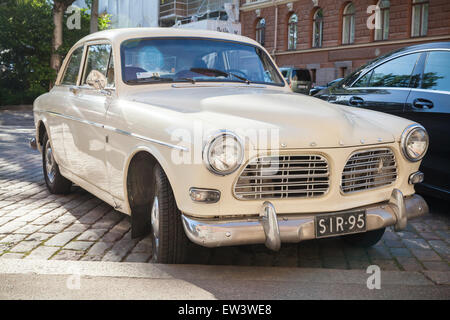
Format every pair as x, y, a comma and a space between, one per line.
283, 145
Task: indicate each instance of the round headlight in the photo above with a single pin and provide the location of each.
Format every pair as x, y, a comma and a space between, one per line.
223, 154
414, 142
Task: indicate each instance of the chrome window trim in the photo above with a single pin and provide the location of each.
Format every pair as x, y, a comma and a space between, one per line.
399, 88
120, 131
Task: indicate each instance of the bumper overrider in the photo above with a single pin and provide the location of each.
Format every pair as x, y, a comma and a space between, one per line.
273, 229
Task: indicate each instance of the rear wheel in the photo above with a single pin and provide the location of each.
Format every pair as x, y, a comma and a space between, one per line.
55, 182
365, 239
169, 241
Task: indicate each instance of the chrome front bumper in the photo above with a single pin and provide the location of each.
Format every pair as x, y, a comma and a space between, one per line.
272, 229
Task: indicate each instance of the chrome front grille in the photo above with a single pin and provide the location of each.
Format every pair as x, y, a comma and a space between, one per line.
277, 177
368, 170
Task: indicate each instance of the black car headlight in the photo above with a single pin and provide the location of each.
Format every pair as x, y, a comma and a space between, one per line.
414, 142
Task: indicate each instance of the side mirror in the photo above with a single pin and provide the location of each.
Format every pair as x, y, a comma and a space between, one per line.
96, 79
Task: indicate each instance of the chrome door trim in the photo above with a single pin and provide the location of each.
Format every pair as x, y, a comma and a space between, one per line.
120, 131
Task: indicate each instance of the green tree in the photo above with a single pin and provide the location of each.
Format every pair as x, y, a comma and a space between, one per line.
26, 47
25, 38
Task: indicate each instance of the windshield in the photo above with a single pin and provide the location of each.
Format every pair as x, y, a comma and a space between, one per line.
189, 60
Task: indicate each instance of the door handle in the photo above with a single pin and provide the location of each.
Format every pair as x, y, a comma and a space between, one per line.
355, 101
422, 103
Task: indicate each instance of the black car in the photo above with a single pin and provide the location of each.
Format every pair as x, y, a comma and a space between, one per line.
316, 89
413, 83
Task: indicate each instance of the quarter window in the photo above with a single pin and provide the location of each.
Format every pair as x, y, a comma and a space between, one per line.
392, 74
98, 59
436, 75
364, 80
73, 67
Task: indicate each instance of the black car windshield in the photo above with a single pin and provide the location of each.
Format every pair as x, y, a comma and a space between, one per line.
160, 60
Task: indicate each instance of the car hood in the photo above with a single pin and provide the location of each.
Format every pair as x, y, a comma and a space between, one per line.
299, 120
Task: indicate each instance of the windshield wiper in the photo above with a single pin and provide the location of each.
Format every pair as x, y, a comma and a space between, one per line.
150, 79
220, 73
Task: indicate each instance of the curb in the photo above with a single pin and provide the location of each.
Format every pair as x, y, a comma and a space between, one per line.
22, 107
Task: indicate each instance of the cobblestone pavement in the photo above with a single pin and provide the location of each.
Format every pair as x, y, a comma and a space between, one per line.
35, 224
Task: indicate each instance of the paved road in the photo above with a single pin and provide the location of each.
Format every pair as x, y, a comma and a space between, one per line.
37, 225
41, 279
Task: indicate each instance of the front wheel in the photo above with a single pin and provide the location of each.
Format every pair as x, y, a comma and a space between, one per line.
366, 239
55, 182
169, 241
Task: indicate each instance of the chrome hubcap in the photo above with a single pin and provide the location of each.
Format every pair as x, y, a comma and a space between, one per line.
50, 162
155, 226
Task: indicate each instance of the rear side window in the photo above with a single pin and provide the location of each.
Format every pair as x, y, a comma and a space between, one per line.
301, 75
392, 74
436, 75
71, 73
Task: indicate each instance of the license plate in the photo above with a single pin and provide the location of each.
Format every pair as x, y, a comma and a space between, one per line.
328, 225
300, 86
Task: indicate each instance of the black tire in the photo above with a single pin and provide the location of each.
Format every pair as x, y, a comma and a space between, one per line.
365, 239
169, 241
56, 184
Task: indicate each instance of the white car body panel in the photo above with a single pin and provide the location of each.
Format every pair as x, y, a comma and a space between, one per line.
95, 136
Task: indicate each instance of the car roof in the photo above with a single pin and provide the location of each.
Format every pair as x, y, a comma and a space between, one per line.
405, 50
350, 79
121, 34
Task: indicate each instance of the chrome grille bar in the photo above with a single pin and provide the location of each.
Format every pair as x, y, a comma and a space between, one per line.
278, 177
369, 169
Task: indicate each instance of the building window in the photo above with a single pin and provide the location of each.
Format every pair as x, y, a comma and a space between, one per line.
348, 24
382, 30
317, 28
292, 32
261, 31
419, 23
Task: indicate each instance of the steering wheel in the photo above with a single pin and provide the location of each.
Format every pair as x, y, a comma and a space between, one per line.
238, 73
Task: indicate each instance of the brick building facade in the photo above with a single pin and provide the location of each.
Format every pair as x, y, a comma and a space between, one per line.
319, 34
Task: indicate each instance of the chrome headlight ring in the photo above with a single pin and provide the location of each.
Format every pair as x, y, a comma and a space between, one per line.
409, 133
214, 141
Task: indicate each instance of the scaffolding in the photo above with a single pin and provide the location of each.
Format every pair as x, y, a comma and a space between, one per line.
184, 11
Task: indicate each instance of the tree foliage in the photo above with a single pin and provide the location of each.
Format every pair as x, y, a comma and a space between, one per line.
25, 47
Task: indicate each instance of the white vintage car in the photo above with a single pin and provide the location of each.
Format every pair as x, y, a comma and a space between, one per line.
197, 136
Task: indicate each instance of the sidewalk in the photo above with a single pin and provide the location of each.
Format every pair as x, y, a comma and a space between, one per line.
41, 279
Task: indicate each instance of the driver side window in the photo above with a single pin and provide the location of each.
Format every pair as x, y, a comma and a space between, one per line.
100, 58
